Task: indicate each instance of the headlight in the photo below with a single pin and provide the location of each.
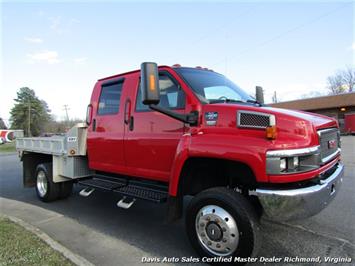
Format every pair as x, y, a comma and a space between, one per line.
283, 164
289, 163
292, 161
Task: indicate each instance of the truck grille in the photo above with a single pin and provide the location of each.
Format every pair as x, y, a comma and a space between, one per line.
329, 143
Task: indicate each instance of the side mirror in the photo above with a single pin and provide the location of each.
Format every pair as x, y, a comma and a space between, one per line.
259, 94
150, 83
89, 114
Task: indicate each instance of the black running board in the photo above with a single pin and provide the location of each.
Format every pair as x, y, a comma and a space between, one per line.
130, 188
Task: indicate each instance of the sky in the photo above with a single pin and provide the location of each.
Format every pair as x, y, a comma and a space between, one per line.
60, 49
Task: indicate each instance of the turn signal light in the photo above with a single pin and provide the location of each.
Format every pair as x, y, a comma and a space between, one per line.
271, 132
152, 82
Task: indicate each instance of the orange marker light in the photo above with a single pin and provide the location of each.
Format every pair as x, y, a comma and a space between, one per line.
271, 132
152, 82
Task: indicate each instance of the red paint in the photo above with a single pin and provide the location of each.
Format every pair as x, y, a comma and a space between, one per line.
158, 145
350, 123
7, 135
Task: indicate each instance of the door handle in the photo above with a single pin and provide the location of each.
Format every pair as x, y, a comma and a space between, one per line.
128, 118
131, 123
94, 124
127, 111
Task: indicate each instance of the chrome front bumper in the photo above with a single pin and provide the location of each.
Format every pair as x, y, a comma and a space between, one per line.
282, 205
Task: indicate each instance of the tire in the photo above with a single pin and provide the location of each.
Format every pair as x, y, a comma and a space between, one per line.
46, 189
222, 223
66, 189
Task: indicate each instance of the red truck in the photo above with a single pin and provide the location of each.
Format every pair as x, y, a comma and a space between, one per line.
163, 133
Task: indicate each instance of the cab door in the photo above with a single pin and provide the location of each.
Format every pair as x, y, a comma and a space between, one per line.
106, 131
151, 138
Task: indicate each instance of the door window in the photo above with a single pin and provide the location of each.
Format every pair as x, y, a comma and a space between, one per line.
171, 95
109, 102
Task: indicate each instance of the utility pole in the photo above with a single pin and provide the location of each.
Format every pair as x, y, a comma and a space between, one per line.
29, 119
66, 108
274, 97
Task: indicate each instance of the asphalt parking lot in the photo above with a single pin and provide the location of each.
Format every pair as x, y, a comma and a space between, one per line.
328, 234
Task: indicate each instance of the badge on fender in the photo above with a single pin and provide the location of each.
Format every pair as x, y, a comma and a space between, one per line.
211, 118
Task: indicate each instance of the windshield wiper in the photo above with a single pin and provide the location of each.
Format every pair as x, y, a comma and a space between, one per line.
225, 100
254, 101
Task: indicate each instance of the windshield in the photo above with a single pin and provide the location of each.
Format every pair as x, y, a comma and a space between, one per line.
211, 87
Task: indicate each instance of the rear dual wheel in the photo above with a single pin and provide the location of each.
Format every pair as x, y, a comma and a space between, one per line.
222, 223
46, 189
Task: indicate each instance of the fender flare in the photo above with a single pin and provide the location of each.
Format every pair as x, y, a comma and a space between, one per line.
186, 150
181, 155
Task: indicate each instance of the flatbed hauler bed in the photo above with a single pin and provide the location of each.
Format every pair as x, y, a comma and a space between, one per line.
67, 153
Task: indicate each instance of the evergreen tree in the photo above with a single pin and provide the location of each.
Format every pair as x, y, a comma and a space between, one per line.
29, 113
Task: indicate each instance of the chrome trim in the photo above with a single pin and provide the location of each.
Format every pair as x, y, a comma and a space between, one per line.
282, 205
319, 132
331, 156
42, 183
293, 152
271, 117
336, 152
223, 240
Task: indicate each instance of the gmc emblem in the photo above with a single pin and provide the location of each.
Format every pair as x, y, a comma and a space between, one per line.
332, 144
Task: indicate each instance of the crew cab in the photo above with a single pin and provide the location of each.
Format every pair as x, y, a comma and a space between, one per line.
163, 133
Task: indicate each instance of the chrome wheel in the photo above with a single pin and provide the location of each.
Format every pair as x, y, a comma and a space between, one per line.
217, 230
42, 183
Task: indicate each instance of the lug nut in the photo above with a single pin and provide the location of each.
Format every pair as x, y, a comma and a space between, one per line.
224, 229
208, 218
218, 246
224, 240
216, 220
209, 243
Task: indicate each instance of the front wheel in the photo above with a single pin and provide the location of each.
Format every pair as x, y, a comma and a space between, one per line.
222, 223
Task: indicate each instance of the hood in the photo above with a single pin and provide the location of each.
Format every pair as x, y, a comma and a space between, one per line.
295, 129
318, 121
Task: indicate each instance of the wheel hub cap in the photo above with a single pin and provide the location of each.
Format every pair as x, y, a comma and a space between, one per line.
217, 230
214, 231
42, 183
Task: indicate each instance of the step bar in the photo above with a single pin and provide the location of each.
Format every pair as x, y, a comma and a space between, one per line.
129, 188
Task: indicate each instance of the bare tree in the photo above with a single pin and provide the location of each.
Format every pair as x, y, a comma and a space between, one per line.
335, 84
349, 78
342, 81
